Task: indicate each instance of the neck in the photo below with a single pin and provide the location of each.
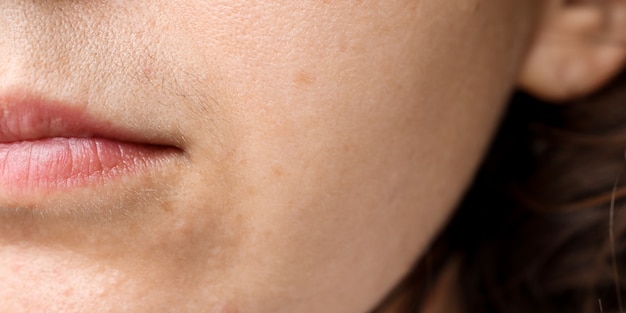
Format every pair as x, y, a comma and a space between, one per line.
443, 297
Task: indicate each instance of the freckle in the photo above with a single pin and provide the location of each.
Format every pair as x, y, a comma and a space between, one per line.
251, 191
278, 171
167, 207
304, 78
343, 46
239, 218
68, 292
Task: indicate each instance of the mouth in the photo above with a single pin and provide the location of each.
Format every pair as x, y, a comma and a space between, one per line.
48, 146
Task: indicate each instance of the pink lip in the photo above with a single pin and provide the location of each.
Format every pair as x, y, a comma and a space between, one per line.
48, 146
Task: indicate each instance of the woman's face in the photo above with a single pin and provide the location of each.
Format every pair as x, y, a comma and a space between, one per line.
314, 147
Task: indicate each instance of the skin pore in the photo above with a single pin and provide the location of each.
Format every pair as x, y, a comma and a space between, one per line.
321, 145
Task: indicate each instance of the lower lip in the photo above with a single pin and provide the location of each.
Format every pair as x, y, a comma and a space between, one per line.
57, 164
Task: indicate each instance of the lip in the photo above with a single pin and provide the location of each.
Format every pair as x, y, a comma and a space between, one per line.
49, 146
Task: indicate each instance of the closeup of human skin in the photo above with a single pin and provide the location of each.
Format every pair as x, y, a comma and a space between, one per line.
300, 155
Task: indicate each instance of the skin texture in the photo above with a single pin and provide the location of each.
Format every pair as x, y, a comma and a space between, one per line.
322, 146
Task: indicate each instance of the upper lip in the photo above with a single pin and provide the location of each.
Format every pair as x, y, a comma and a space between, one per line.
26, 117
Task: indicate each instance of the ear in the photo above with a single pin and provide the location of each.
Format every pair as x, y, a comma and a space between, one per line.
580, 46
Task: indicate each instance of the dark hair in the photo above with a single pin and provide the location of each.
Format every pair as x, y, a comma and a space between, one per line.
533, 233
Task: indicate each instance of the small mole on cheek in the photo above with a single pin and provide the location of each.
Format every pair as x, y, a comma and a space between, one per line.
304, 78
252, 191
167, 207
278, 171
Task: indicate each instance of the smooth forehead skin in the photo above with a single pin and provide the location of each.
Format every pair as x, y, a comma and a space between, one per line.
325, 143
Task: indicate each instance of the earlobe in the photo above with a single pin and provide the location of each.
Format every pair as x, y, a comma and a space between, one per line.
579, 48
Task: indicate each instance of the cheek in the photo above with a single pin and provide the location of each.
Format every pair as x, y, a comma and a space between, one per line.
350, 139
